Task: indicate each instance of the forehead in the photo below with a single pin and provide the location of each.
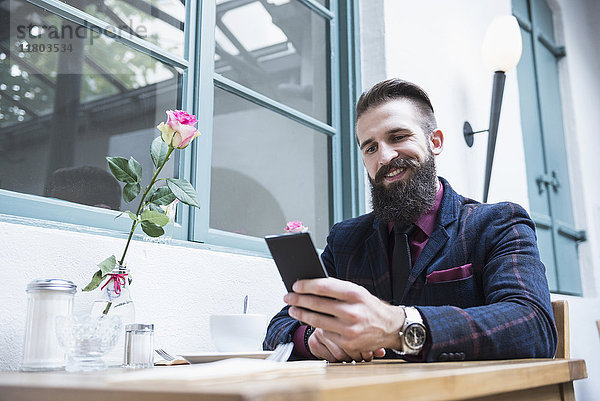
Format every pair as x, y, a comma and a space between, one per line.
394, 114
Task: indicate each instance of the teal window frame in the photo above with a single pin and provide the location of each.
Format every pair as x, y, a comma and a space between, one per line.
199, 78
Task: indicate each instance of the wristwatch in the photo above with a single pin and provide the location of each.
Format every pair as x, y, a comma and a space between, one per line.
413, 333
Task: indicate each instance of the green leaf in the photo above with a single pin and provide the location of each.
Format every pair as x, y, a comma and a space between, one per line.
136, 168
184, 191
130, 191
160, 219
157, 208
152, 229
131, 215
162, 196
158, 151
107, 265
96, 280
120, 168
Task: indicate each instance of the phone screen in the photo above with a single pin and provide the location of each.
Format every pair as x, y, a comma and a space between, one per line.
296, 257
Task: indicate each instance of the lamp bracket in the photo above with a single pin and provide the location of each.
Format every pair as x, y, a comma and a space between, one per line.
468, 133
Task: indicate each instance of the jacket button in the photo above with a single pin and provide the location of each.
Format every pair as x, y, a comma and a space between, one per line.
443, 357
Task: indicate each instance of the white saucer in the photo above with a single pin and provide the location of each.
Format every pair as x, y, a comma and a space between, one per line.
202, 357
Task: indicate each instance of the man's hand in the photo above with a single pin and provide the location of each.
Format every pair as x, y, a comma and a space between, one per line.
355, 325
323, 348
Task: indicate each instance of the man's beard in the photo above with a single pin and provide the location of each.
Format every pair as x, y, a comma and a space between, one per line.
403, 202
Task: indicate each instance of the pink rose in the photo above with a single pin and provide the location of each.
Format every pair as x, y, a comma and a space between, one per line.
182, 117
179, 130
295, 227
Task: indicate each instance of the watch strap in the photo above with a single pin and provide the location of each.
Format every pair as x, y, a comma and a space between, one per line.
307, 333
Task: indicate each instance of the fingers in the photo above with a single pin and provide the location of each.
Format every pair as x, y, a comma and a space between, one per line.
314, 303
380, 353
321, 347
314, 319
330, 287
355, 355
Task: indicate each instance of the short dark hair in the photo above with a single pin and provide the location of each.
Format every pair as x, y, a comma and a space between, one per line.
396, 88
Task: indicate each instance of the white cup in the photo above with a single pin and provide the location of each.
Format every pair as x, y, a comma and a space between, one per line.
238, 332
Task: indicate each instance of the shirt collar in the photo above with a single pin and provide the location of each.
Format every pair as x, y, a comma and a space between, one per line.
427, 220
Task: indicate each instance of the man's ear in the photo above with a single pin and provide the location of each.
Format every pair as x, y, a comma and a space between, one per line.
436, 139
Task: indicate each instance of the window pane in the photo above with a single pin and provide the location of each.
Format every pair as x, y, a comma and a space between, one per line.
280, 49
63, 109
267, 170
158, 21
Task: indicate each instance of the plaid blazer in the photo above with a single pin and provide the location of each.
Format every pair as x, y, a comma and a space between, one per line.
478, 283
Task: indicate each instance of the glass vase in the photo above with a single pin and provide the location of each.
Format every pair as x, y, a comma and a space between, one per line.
115, 299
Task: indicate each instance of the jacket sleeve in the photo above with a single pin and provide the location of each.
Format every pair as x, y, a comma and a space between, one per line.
516, 320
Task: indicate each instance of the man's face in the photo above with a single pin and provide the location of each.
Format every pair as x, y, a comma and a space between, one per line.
399, 158
392, 132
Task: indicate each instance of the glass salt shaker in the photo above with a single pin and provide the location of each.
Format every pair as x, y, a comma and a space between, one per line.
46, 299
139, 345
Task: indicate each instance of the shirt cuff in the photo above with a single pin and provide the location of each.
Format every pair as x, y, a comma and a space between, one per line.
300, 350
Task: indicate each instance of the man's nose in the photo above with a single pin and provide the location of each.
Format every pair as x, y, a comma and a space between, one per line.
387, 154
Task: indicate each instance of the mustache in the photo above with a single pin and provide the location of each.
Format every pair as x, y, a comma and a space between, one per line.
397, 163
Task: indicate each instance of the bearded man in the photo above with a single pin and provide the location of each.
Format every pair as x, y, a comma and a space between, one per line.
429, 275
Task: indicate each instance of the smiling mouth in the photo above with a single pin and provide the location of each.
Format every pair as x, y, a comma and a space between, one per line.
395, 171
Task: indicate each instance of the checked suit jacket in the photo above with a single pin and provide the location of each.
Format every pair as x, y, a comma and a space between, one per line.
479, 283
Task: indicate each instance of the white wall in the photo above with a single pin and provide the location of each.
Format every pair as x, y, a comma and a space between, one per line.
437, 44
175, 287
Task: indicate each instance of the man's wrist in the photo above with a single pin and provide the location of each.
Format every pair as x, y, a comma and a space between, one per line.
398, 316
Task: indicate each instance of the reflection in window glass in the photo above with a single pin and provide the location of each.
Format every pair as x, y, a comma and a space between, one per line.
158, 21
280, 49
65, 109
266, 170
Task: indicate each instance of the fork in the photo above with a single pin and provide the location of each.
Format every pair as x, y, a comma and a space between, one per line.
164, 354
282, 353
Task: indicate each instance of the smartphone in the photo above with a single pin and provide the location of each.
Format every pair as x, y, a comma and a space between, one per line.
296, 257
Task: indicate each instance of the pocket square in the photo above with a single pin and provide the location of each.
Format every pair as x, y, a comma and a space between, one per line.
455, 273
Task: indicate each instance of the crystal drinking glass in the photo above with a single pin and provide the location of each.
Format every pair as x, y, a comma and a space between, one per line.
86, 339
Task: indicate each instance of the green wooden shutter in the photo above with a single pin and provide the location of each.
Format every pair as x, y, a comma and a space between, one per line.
544, 141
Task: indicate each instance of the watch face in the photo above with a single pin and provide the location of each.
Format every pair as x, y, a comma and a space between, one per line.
415, 336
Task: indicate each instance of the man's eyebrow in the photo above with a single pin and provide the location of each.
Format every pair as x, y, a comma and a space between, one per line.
391, 131
398, 129
365, 143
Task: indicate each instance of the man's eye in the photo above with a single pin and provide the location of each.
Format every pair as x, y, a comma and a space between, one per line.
370, 149
398, 138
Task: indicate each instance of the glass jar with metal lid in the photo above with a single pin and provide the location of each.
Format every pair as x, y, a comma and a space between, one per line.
139, 345
46, 299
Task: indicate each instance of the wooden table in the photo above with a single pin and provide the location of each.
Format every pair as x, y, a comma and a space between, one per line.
527, 379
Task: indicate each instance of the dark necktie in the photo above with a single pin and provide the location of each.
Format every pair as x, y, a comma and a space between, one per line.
401, 263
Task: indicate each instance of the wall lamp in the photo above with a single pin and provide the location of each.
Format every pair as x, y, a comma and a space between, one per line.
501, 50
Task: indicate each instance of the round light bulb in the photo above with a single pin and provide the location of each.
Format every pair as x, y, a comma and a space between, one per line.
502, 45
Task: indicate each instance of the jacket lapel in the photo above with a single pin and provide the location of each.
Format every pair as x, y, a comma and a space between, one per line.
377, 251
447, 214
